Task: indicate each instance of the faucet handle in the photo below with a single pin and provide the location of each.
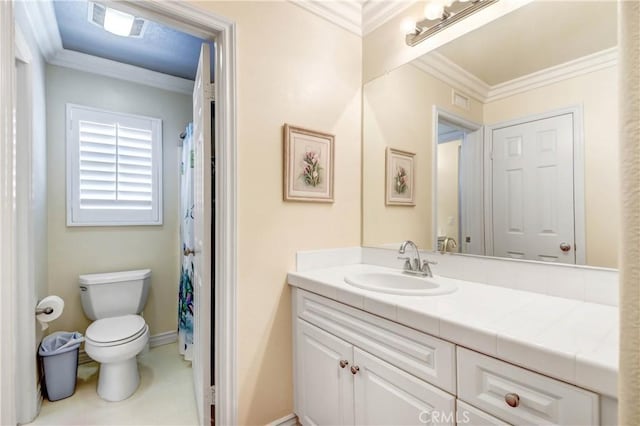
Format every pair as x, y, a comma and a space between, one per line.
429, 262
407, 262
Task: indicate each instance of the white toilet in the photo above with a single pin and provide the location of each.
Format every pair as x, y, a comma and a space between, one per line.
114, 300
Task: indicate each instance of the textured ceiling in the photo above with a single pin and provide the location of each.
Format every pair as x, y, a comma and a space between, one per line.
535, 37
161, 48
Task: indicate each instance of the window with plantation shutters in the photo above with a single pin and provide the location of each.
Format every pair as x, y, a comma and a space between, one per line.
114, 165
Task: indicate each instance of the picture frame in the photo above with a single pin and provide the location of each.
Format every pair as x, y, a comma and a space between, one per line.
400, 178
308, 165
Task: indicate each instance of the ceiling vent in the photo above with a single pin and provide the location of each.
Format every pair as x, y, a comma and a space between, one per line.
115, 21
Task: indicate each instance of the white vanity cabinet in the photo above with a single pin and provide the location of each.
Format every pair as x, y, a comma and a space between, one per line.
339, 384
353, 367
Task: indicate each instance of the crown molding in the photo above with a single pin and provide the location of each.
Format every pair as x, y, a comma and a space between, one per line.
346, 14
108, 68
44, 26
357, 16
376, 12
438, 66
584, 65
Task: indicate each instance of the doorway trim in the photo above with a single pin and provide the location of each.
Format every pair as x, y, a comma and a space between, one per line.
438, 114
195, 19
28, 397
7, 217
198, 21
578, 175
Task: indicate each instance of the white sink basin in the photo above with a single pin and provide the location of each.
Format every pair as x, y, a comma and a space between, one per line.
398, 283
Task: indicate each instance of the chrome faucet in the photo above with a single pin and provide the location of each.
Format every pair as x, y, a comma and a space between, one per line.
415, 266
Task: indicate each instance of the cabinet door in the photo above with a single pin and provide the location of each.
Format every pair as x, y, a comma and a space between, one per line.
386, 395
324, 389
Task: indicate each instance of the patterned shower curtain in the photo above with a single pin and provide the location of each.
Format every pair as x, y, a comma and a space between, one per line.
185, 294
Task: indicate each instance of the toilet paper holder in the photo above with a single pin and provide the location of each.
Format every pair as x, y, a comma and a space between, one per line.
48, 310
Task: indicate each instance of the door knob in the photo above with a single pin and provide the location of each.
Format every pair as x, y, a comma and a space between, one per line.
512, 399
343, 363
565, 247
355, 369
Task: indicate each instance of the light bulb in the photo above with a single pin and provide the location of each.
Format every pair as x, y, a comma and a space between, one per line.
408, 26
433, 10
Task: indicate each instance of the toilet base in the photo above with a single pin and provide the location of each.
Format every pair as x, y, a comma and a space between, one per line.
118, 380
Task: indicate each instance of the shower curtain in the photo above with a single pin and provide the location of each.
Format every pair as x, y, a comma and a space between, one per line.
185, 294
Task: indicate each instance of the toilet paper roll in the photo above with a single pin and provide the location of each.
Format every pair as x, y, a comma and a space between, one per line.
57, 306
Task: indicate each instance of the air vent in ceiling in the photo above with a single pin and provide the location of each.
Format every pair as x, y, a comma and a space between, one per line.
98, 15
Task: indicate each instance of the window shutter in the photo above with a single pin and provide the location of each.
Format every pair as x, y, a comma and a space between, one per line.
115, 167
98, 149
135, 173
114, 173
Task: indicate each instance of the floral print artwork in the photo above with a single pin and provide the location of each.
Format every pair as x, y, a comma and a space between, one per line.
311, 168
401, 180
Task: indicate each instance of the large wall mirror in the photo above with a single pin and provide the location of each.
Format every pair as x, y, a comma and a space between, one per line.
513, 131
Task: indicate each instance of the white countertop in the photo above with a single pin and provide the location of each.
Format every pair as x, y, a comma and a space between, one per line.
571, 340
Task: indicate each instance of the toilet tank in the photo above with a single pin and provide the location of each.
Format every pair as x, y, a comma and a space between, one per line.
114, 293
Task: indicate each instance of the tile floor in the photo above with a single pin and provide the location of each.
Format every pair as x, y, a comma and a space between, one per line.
165, 396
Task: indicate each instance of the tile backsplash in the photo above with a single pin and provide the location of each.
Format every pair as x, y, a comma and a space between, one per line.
597, 285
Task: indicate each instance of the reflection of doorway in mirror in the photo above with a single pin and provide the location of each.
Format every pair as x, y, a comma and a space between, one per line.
459, 200
448, 194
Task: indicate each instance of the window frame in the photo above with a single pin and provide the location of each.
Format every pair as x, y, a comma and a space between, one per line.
110, 217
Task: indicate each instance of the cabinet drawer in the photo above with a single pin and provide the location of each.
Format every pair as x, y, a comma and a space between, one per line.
471, 416
424, 356
485, 382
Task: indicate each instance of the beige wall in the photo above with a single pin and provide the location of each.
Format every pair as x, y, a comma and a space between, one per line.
81, 250
292, 67
398, 112
448, 188
597, 93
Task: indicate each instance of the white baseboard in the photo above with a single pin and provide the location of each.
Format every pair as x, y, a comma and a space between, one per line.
154, 341
290, 420
163, 338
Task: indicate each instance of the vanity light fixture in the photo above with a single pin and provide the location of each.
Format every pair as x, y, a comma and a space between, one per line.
439, 14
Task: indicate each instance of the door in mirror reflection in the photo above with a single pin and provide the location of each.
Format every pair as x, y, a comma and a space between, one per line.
532, 193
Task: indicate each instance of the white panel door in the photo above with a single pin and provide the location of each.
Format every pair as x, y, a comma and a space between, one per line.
533, 208
202, 237
324, 383
471, 194
386, 395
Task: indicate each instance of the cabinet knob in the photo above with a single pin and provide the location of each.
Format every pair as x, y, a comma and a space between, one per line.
512, 399
355, 369
565, 247
343, 363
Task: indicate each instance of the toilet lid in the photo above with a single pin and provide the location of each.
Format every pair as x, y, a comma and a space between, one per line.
114, 329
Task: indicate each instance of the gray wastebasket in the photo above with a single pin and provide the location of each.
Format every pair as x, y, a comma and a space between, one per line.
59, 354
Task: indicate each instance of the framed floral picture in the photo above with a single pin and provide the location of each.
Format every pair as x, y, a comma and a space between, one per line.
400, 178
308, 165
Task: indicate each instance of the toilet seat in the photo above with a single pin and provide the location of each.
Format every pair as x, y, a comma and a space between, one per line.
116, 331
